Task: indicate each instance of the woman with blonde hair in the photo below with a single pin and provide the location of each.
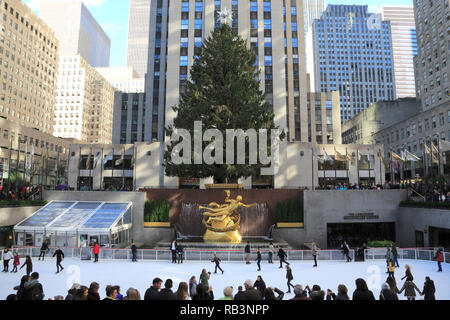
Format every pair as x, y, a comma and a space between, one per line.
132, 294
408, 274
182, 292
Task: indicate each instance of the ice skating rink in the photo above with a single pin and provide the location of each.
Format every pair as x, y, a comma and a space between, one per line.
139, 275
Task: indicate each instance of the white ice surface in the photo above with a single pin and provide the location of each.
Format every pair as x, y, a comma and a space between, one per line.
140, 275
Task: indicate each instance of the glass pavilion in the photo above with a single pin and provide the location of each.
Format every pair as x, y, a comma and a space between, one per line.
76, 224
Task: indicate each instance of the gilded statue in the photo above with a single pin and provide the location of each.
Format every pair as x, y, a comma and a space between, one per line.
223, 221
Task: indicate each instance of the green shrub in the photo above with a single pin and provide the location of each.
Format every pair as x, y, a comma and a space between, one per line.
379, 244
289, 211
156, 211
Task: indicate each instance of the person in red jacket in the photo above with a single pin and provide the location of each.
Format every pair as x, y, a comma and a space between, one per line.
96, 251
16, 262
439, 259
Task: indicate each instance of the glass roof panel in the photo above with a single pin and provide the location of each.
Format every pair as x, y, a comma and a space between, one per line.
46, 215
76, 215
106, 215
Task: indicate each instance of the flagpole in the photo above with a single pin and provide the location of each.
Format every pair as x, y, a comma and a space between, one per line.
79, 169
357, 166
9, 163
439, 153
134, 167
91, 171
123, 168
101, 169
17, 166
347, 164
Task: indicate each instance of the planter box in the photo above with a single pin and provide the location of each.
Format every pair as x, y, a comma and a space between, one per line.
157, 225
290, 225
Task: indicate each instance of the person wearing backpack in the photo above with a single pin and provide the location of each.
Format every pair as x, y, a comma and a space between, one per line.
33, 289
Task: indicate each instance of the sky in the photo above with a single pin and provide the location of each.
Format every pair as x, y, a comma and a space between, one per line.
112, 15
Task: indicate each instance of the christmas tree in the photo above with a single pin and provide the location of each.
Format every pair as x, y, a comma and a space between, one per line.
223, 93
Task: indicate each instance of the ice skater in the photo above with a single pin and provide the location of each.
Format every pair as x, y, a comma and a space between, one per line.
7, 255
59, 258
173, 249
44, 250
389, 257
16, 262
282, 256
217, 261
247, 251
439, 259
134, 253
289, 278
180, 253
271, 251
315, 251
258, 259
391, 269
395, 255
96, 252
346, 251
29, 264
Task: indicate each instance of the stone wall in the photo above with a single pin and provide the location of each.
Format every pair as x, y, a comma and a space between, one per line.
12, 215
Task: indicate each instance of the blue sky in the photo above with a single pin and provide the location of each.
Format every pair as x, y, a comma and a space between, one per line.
113, 16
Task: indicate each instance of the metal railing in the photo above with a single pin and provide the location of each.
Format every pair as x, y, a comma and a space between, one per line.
228, 255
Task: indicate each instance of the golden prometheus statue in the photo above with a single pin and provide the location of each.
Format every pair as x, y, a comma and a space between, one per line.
222, 222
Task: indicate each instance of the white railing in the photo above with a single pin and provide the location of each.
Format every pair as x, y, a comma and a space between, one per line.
229, 255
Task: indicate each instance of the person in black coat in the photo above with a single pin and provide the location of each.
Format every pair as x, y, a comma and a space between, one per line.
180, 253
408, 273
250, 293
428, 289
29, 265
346, 251
153, 292
21, 289
282, 256
167, 293
289, 278
269, 294
173, 249
44, 250
260, 285
247, 251
33, 289
59, 258
134, 249
387, 294
258, 260
217, 260
362, 292
240, 294
203, 293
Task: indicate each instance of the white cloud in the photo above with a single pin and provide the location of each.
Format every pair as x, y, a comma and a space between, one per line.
34, 4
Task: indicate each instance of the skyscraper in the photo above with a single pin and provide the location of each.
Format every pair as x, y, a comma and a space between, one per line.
431, 63
312, 9
350, 50
139, 35
77, 31
404, 47
268, 26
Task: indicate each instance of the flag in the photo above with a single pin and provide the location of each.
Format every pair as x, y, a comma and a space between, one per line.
411, 157
120, 161
371, 158
339, 156
444, 146
31, 157
97, 158
436, 150
396, 156
57, 162
88, 162
327, 157
386, 164
25, 160
108, 157
320, 158
433, 157
395, 165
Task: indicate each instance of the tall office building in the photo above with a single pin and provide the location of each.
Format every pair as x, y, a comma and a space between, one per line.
77, 31
139, 34
432, 60
312, 9
123, 79
350, 51
404, 47
268, 26
84, 102
28, 65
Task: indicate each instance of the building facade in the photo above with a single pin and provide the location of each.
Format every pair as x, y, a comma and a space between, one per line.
139, 35
28, 65
349, 52
30, 156
404, 47
261, 23
84, 102
363, 128
129, 117
77, 30
312, 9
432, 61
301, 165
123, 79
324, 118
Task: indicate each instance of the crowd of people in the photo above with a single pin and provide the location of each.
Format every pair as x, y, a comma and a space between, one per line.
27, 192
31, 289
